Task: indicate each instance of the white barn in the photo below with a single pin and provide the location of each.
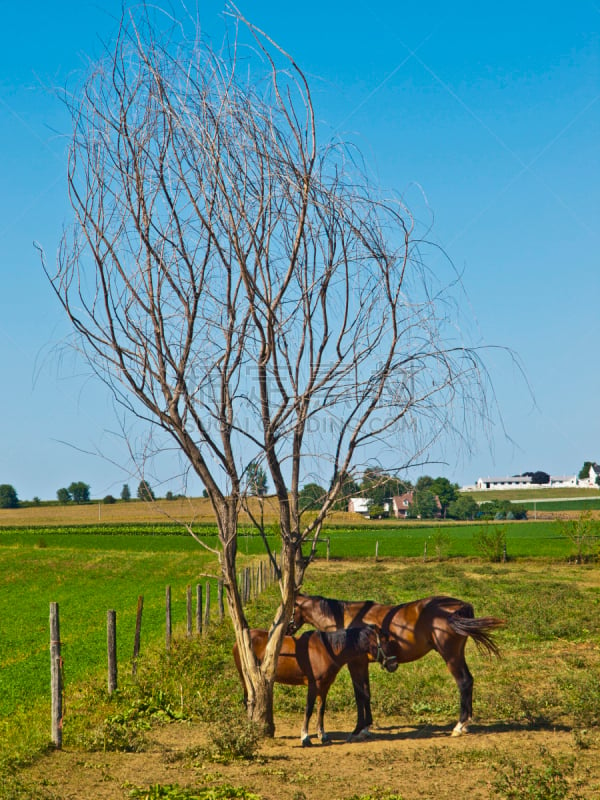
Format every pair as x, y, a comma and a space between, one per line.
524, 482
512, 482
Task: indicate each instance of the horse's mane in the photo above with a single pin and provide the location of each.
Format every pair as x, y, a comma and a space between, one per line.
346, 637
328, 606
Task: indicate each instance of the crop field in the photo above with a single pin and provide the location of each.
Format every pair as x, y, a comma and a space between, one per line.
583, 504
134, 512
406, 539
547, 679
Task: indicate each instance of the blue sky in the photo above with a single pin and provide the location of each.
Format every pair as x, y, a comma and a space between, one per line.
486, 116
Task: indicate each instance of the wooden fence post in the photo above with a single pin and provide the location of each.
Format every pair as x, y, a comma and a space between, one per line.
207, 609
327, 540
168, 627
56, 677
198, 608
111, 644
138, 634
220, 600
189, 611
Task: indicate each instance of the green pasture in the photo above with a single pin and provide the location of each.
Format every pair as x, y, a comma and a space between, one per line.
524, 539
547, 676
519, 495
86, 581
583, 504
89, 571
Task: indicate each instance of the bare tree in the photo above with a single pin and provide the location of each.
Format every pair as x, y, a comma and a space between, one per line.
246, 291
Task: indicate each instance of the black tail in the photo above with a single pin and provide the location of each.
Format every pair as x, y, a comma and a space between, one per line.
478, 628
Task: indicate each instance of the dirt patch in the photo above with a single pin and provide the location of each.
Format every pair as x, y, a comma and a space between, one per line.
417, 763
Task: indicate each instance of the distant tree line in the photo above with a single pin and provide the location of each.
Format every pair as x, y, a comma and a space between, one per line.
78, 492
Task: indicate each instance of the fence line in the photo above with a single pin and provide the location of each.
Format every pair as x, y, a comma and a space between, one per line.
251, 583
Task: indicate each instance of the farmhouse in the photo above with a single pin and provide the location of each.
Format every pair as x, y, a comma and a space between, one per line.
593, 475
401, 505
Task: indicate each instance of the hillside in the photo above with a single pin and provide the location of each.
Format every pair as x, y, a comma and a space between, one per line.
518, 495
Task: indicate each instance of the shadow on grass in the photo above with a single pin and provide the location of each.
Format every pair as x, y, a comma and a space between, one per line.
399, 733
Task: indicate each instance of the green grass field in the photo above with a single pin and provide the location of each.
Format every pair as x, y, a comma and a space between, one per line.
524, 539
90, 570
583, 504
518, 495
87, 575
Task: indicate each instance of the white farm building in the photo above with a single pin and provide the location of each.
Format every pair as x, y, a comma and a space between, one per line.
524, 482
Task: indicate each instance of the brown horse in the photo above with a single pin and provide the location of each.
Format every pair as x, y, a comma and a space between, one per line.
315, 658
435, 623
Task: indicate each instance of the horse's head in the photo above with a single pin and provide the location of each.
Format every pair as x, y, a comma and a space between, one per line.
380, 649
297, 619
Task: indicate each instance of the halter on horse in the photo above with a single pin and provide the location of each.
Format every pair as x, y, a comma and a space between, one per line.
315, 658
442, 624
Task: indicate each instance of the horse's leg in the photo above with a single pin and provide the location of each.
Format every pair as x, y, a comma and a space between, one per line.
464, 680
359, 672
310, 704
321, 719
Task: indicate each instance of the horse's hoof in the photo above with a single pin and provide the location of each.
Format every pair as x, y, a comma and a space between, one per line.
306, 742
325, 739
361, 736
460, 728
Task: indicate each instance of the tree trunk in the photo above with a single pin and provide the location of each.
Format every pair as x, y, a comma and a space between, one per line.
259, 678
260, 705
